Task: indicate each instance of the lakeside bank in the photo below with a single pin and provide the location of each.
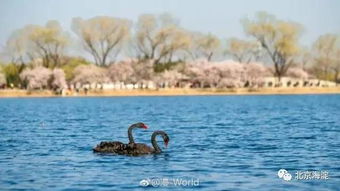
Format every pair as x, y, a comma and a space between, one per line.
173, 92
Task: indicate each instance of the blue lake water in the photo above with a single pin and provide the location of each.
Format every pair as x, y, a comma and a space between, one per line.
225, 142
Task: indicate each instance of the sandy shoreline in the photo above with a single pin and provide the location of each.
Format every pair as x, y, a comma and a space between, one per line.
174, 92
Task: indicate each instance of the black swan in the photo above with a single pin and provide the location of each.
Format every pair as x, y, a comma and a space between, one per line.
116, 146
143, 149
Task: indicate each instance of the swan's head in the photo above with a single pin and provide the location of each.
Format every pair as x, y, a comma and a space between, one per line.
140, 125
166, 139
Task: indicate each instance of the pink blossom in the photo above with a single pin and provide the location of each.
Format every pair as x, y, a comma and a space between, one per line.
297, 73
255, 73
131, 71
58, 79
233, 73
143, 70
216, 74
169, 78
36, 78
87, 74
122, 71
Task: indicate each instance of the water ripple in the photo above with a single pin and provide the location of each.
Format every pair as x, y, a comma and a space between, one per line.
227, 142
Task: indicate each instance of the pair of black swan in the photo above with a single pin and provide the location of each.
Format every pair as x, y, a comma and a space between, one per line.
133, 148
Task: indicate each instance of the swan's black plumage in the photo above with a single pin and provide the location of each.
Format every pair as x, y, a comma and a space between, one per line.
117, 146
136, 149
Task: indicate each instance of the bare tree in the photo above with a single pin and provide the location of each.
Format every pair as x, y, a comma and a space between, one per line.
327, 57
34, 41
103, 37
203, 46
278, 38
49, 42
19, 47
244, 51
158, 38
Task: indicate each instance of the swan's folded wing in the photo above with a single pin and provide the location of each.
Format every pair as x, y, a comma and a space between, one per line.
136, 149
109, 147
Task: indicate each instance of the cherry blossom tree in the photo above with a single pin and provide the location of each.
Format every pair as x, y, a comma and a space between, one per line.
58, 79
255, 74
143, 70
207, 74
131, 71
216, 74
122, 71
232, 74
212, 74
36, 78
169, 78
87, 74
195, 71
297, 73
225, 74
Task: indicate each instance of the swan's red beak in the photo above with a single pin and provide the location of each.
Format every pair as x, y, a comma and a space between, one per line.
166, 143
144, 126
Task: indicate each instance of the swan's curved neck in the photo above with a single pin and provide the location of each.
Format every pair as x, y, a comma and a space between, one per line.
131, 139
154, 142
